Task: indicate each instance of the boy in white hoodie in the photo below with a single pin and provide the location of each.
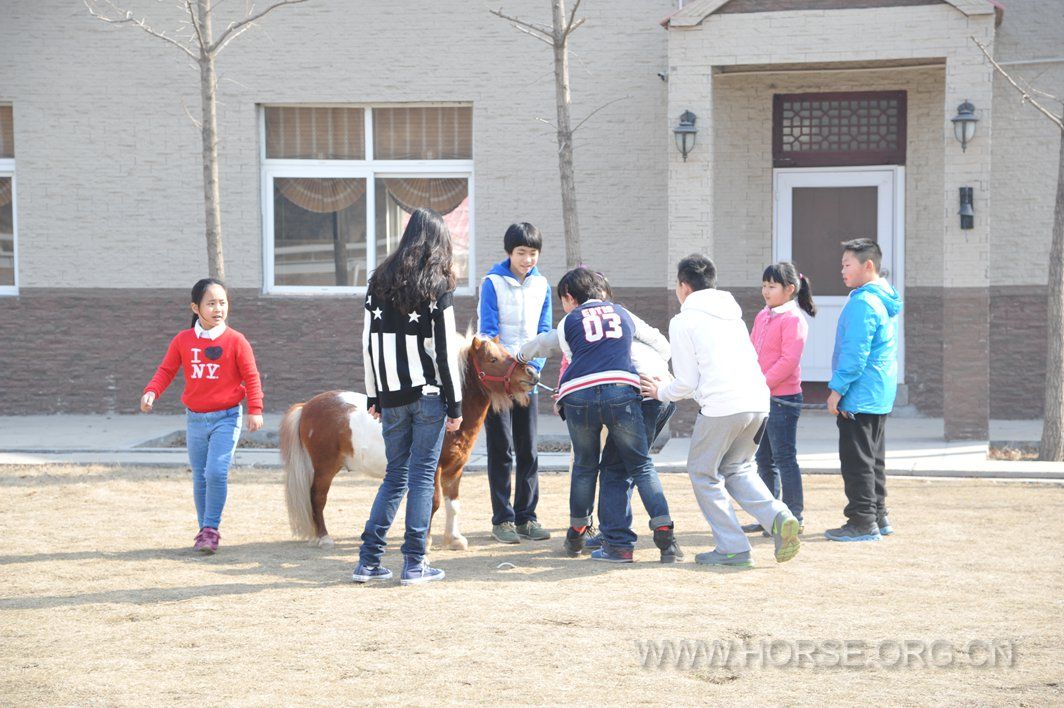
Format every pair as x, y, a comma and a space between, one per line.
714, 362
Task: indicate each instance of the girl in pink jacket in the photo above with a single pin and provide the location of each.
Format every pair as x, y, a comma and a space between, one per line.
779, 336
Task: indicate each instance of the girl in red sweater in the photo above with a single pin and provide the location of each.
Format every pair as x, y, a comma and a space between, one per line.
220, 372
779, 336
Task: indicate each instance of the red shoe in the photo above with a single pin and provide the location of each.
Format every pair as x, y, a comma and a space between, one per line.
211, 537
201, 543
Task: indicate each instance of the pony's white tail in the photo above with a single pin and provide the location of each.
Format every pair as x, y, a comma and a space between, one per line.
299, 474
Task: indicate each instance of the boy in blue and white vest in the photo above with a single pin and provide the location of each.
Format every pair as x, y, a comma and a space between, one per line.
600, 389
515, 307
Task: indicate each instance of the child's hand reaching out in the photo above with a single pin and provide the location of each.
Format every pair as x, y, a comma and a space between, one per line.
649, 386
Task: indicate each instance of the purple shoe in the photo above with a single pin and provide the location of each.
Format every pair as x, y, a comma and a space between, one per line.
211, 537
201, 542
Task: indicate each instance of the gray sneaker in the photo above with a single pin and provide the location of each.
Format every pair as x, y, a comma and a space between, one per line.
505, 533
733, 560
533, 531
785, 530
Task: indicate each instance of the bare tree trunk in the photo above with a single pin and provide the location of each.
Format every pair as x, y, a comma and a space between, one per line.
1052, 447
565, 137
201, 48
212, 202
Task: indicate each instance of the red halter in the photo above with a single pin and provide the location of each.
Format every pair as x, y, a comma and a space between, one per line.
504, 379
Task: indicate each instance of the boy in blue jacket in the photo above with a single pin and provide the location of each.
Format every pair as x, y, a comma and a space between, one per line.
863, 384
515, 307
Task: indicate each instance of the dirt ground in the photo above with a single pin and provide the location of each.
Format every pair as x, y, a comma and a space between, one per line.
103, 602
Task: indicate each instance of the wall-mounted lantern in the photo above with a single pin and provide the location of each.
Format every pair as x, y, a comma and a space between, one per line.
686, 133
964, 124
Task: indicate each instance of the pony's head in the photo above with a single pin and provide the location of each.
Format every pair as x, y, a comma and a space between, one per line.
503, 378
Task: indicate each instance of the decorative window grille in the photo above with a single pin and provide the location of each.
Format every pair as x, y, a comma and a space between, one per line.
828, 129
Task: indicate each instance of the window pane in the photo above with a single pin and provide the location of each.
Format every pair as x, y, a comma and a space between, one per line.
319, 231
397, 198
7, 234
824, 217
7, 132
315, 133
443, 133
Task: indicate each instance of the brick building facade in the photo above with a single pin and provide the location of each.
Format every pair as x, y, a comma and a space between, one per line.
105, 226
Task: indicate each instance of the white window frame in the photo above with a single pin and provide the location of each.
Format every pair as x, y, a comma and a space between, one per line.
368, 169
7, 169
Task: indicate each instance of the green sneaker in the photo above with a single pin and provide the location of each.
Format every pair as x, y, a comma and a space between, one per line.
733, 560
505, 533
533, 531
785, 530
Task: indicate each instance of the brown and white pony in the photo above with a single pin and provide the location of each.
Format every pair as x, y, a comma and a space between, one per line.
334, 430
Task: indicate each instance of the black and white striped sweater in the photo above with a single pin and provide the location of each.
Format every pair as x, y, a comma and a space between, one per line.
402, 354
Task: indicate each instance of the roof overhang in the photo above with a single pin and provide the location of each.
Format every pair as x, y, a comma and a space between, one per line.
694, 14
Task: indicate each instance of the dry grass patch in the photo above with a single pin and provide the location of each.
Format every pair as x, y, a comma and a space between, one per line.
101, 600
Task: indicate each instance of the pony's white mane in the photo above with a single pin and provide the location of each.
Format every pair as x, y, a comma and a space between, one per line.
463, 355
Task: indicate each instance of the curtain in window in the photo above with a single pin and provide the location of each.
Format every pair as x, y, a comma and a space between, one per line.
314, 133
442, 194
423, 133
7, 132
322, 196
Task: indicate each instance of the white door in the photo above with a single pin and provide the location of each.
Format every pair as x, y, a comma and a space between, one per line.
816, 209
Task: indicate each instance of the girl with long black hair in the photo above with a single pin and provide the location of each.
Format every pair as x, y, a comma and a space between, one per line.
410, 354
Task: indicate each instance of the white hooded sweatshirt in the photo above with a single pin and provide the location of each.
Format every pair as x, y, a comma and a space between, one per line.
713, 360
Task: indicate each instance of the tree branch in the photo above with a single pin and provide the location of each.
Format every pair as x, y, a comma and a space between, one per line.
1029, 84
529, 27
127, 18
570, 26
195, 26
231, 37
195, 122
604, 105
532, 34
1027, 97
544, 120
237, 26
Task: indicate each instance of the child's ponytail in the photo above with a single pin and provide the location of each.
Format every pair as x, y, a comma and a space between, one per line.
805, 296
787, 275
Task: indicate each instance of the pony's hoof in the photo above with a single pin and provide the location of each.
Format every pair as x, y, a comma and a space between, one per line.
458, 543
322, 542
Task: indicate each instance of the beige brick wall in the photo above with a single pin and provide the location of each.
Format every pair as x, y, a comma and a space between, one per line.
743, 169
1025, 144
896, 33
108, 164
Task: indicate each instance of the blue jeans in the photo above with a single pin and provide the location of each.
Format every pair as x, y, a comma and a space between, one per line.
655, 417
618, 409
211, 439
777, 456
413, 438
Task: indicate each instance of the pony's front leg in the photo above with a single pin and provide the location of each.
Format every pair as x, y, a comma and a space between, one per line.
452, 538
